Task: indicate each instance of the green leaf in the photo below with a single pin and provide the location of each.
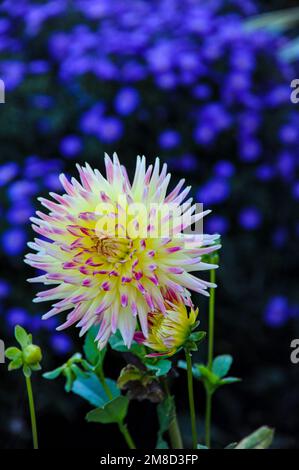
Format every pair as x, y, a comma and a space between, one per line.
232, 445
229, 380
260, 439
26, 371
114, 411
89, 387
15, 364
198, 336
117, 344
21, 336
128, 374
162, 367
222, 364
12, 353
53, 374
166, 411
195, 371
290, 50
201, 446
275, 22
91, 350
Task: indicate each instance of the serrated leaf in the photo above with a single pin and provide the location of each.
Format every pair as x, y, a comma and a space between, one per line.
201, 446
13, 353
21, 336
232, 445
89, 387
53, 374
114, 411
260, 439
221, 365
166, 411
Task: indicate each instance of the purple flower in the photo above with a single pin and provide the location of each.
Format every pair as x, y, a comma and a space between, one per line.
8, 171
224, 169
216, 224
110, 129
296, 190
265, 172
126, 101
214, 191
277, 311
14, 241
17, 316
5, 288
169, 139
91, 119
289, 134
70, 146
22, 189
250, 150
61, 343
20, 213
250, 218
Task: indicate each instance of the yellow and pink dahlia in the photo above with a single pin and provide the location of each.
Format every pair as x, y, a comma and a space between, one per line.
107, 256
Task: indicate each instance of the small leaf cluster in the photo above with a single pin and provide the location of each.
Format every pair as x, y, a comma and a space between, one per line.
213, 377
28, 356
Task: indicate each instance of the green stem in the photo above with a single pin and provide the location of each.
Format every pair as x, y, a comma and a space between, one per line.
125, 432
121, 425
175, 434
191, 399
174, 428
32, 413
104, 384
211, 319
210, 357
208, 417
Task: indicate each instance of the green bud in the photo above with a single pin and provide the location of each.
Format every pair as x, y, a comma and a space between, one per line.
32, 354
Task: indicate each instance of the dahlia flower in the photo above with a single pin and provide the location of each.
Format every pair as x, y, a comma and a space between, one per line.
169, 331
109, 272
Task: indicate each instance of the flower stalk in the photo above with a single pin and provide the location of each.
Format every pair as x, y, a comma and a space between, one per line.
210, 358
191, 398
32, 413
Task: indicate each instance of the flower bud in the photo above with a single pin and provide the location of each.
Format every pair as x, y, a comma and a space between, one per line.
32, 354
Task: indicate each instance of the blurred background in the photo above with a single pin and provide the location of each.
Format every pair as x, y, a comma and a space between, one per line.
206, 86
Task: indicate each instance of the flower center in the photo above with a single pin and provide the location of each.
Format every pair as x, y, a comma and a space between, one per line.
113, 249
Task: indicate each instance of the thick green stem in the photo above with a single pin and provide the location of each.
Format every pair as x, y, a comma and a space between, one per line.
174, 428
175, 434
125, 432
210, 357
121, 425
191, 399
32, 413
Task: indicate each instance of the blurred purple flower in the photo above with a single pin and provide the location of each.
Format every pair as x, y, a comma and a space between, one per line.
169, 139
216, 224
8, 171
70, 146
16, 316
110, 129
14, 241
61, 343
277, 311
224, 169
5, 288
214, 191
126, 101
250, 218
